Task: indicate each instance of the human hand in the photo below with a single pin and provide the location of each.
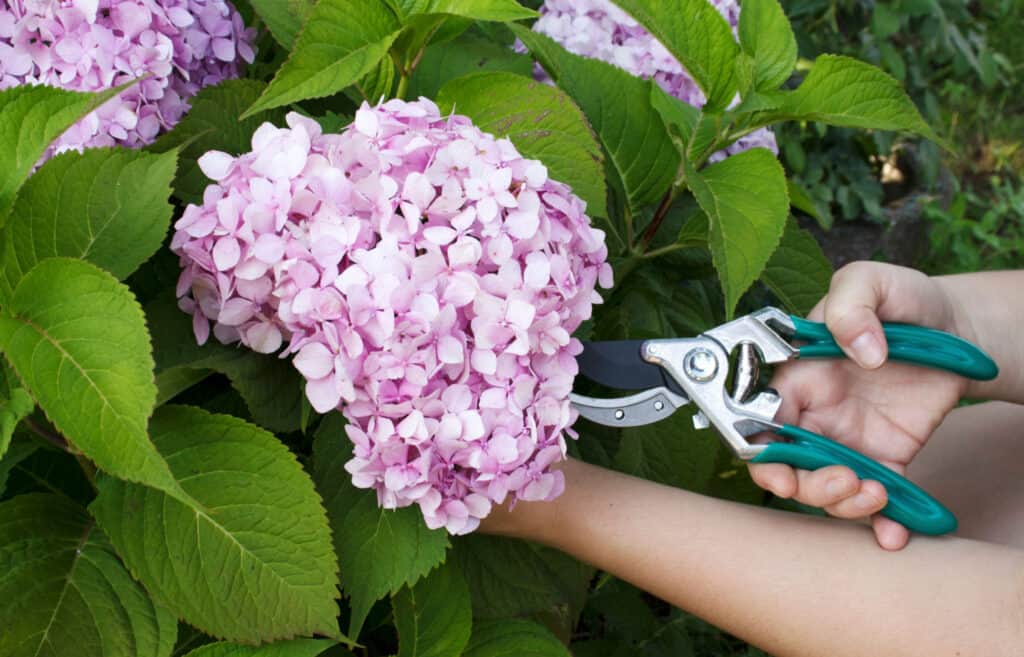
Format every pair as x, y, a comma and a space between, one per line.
885, 410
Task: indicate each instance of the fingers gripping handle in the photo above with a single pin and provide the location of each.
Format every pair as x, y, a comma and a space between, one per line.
908, 504
908, 343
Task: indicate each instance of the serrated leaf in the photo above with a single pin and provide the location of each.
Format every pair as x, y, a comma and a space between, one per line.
293, 648
798, 272
467, 54
433, 617
766, 36
31, 117
18, 450
78, 341
513, 637
508, 577
745, 199
376, 85
64, 592
284, 18
271, 387
670, 452
341, 41
479, 10
698, 36
379, 550
107, 206
846, 92
213, 123
541, 121
15, 405
266, 570
680, 118
619, 109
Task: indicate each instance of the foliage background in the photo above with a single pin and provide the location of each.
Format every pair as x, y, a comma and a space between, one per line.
183, 487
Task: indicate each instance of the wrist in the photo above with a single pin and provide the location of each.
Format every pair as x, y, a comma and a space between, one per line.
528, 520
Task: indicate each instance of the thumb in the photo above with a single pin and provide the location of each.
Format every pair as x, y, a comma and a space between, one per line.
851, 307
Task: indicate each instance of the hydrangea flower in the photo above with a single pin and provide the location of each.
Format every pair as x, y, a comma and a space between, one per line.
425, 277
600, 30
91, 45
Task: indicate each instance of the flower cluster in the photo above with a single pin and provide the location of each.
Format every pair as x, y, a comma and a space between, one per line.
426, 278
600, 30
91, 45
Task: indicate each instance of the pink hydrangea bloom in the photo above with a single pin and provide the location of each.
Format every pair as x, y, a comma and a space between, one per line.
91, 45
425, 277
600, 30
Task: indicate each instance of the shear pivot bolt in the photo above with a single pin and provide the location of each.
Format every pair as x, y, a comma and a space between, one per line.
700, 364
619, 414
659, 405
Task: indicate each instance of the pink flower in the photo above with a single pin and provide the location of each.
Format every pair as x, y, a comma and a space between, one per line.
426, 278
600, 30
91, 45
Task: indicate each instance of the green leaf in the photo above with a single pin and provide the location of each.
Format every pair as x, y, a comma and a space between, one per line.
513, 637
107, 206
64, 592
250, 560
541, 121
745, 199
801, 200
619, 109
765, 35
342, 41
433, 617
680, 118
377, 84
284, 18
15, 405
470, 53
671, 452
846, 92
271, 387
798, 272
293, 648
78, 341
507, 577
18, 450
213, 124
479, 10
698, 36
31, 117
379, 550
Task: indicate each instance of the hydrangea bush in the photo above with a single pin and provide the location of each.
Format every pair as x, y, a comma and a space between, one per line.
274, 345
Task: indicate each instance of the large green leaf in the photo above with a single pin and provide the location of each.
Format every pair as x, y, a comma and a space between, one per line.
78, 341
293, 648
480, 10
15, 405
342, 41
670, 452
541, 121
470, 53
766, 37
434, 616
798, 272
64, 592
107, 206
213, 124
846, 92
698, 36
270, 386
619, 108
31, 117
379, 550
284, 18
745, 199
250, 560
513, 637
18, 449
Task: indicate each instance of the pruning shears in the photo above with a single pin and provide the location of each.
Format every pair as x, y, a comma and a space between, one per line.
673, 372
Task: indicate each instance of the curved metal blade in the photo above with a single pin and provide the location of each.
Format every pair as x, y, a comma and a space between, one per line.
617, 364
635, 410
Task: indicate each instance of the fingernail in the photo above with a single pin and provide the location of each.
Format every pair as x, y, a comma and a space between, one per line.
868, 350
865, 501
837, 486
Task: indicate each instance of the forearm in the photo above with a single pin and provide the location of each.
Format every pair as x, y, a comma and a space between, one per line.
793, 585
989, 310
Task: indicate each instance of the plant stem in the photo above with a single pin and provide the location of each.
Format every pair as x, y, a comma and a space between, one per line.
659, 217
403, 86
47, 435
664, 250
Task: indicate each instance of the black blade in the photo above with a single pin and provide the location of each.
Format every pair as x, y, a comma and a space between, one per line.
617, 364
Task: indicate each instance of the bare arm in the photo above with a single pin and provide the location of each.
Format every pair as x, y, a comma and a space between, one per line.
793, 585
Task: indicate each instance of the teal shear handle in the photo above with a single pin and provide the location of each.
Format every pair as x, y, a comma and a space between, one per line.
908, 343
908, 504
